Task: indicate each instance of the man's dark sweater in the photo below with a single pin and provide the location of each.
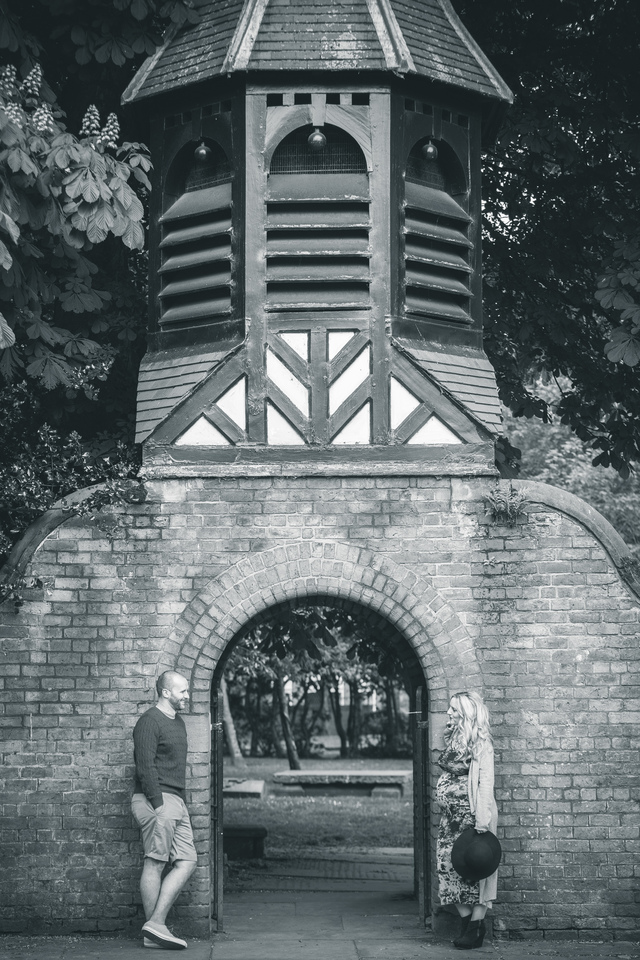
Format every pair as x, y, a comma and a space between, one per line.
160, 754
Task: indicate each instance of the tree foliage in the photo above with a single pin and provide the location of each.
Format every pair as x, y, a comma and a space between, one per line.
561, 189
72, 231
59, 196
319, 650
551, 453
39, 465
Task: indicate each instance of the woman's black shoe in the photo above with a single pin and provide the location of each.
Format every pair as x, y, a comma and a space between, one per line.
472, 937
464, 923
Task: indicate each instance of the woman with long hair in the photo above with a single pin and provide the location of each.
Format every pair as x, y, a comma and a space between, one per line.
465, 795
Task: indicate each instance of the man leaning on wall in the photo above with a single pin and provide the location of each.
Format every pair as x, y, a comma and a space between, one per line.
158, 805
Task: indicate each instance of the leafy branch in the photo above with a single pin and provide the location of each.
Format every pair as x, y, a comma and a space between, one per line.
619, 290
59, 196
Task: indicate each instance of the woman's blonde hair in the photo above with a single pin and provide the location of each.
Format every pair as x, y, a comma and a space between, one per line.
471, 727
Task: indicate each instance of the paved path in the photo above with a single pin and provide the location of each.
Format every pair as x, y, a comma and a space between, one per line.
384, 869
313, 926
317, 908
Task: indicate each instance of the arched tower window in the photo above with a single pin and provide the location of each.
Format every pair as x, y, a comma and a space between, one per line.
195, 272
436, 228
318, 222
331, 150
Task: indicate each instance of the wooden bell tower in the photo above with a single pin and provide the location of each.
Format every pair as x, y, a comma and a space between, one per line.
315, 240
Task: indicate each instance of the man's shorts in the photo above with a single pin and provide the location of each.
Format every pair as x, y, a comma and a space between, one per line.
166, 832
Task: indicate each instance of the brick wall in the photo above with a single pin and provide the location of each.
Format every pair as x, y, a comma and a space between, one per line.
538, 616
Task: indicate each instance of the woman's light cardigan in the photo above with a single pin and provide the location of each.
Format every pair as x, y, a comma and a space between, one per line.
483, 806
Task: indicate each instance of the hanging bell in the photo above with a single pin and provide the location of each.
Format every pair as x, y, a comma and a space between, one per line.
317, 140
202, 153
430, 151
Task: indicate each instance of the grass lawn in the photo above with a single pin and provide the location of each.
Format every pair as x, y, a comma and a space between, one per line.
308, 824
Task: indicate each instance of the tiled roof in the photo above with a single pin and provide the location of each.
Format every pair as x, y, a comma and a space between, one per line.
194, 53
166, 378
469, 377
423, 37
317, 33
443, 49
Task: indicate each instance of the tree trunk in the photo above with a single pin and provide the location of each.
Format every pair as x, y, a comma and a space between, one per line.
354, 722
253, 715
285, 720
334, 700
235, 753
305, 719
391, 715
319, 715
279, 746
304, 737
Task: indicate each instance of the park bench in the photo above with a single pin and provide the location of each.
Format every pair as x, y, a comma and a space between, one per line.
372, 783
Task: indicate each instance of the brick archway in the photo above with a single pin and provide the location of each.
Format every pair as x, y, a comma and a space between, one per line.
329, 569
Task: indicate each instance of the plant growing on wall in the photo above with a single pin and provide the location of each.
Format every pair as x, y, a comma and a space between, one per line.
505, 505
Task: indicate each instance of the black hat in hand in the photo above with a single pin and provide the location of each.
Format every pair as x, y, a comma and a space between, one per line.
475, 856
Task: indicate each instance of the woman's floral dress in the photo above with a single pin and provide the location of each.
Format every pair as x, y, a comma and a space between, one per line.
452, 794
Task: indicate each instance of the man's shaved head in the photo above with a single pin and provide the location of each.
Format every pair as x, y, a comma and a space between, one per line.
167, 680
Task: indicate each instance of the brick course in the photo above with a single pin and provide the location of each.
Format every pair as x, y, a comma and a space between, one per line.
537, 616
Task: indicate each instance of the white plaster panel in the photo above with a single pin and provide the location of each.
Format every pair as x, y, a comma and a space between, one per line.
288, 383
298, 342
434, 432
202, 433
279, 430
358, 429
339, 339
355, 374
234, 403
403, 402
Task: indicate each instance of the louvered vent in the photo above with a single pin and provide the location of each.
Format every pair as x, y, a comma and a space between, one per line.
318, 224
436, 228
196, 247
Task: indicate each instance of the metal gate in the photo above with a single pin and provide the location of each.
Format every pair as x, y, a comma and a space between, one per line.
217, 829
421, 804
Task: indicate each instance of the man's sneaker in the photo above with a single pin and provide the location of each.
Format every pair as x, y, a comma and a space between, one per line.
163, 937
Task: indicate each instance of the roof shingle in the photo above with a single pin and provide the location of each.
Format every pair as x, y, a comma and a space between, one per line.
424, 37
165, 378
321, 33
469, 378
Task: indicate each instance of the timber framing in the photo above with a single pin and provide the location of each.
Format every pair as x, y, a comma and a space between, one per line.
316, 304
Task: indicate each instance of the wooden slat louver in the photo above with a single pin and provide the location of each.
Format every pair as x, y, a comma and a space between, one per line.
318, 226
437, 270
196, 248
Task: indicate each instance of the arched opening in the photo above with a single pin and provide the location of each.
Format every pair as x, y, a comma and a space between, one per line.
298, 571
318, 222
197, 165
437, 264
326, 150
295, 624
435, 164
196, 244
